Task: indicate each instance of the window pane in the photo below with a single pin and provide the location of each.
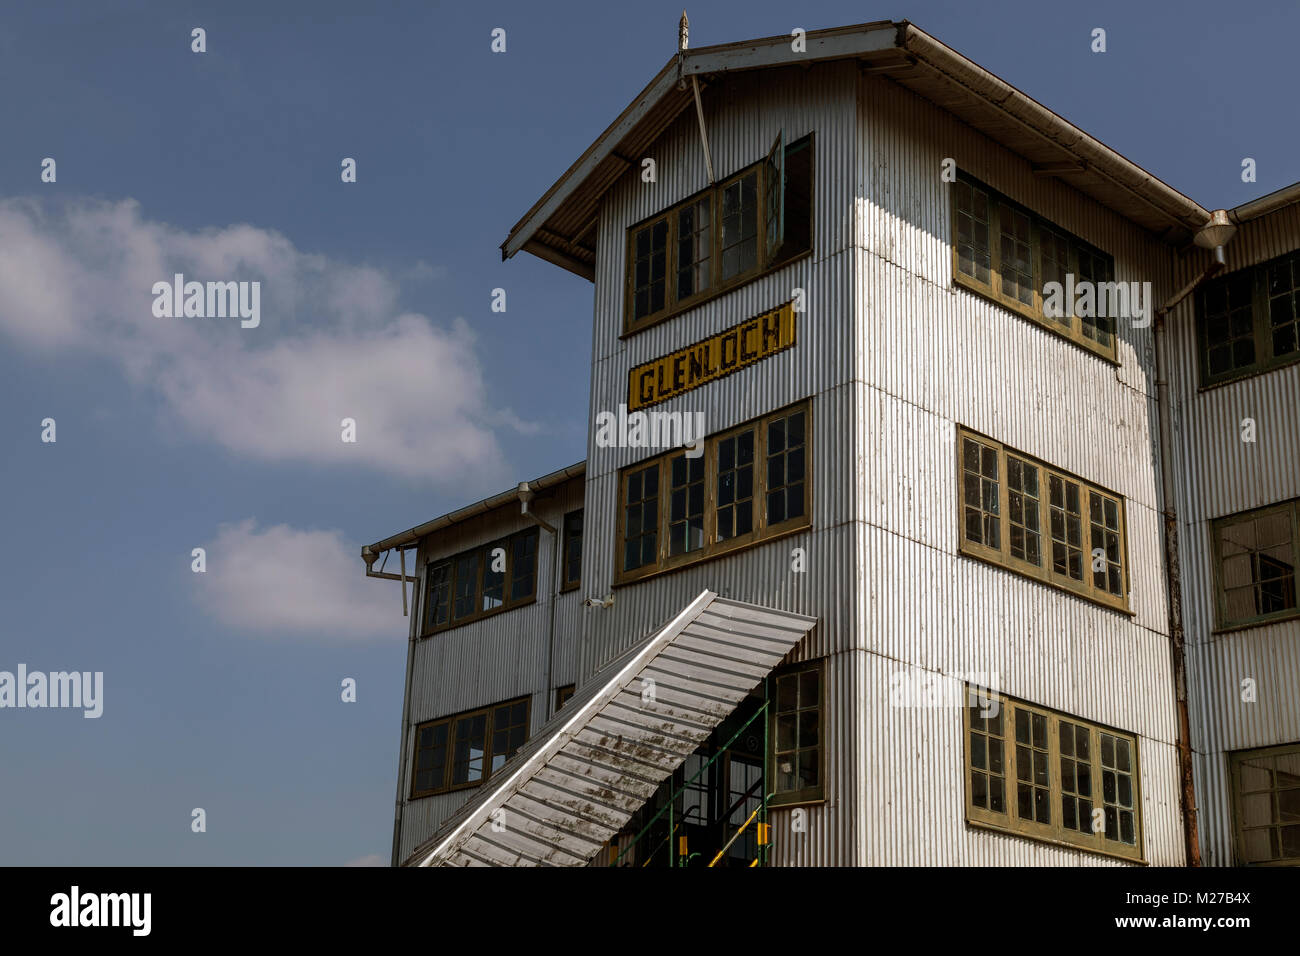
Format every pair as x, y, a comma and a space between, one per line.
573, 547
1257, 569
509, 730
494, 576
468, 758
735, 485
431, 757
1118, 788
1097, 269
694, 247
1076, 778
740, 226
1066, 527
973, 256
649, 269
1055, 259
523, 569
1016, 270
785, 468
1227, 323
641, 518
1024, 510
797, 730
466, 585
685, 504
1103, 514
1283, 289
980, 493
437, 597
798, 198
1033, 787
988, 781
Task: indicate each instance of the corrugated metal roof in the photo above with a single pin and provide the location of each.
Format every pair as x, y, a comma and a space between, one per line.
565, 794
558, 228
411, 537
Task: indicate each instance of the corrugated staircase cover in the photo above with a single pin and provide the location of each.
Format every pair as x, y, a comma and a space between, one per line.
578, 781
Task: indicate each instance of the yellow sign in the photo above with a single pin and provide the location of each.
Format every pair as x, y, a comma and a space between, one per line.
740, 346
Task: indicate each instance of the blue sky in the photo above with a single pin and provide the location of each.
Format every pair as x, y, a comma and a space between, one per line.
222, 690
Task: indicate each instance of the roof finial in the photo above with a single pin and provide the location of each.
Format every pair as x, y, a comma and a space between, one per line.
683, 32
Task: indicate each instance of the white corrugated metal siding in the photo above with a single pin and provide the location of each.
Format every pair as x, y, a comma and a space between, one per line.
491, 660
1218, 474
933, 356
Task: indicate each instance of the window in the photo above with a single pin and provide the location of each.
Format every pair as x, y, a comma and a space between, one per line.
748, 484
798, 771
1266, 798
1038, 773
562, 695
1040, 521
1249, 320
694, 248
641, 517
1254, 557
759, 219
572, 550
1003, 251
465, 749
649, 269
475, 584
685, 504
740, 226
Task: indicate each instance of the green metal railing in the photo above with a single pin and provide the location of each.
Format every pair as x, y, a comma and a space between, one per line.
673, 826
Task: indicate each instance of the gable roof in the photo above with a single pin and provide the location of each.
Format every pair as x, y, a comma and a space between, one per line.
560, 227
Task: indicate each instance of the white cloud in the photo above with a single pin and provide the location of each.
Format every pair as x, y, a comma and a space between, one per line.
283, 580
370, 859
331, 344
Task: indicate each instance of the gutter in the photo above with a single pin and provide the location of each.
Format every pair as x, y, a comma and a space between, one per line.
411, 537
1265, 204
1216, 232
1032, 116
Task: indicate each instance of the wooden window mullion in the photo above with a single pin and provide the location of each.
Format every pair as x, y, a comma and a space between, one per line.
1004, 506
995, 247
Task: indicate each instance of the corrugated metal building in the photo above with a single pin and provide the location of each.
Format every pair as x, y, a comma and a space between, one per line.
834, 254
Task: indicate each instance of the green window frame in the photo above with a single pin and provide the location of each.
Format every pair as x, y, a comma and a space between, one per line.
1040, 521
1050, 776
1255, 566
1007, 253
466, 587
1266, 805
750, 484
754, 221
464, 750
1248, 321
796, 734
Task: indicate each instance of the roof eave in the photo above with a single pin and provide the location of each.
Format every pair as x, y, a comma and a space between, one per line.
412, 536
899, 50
